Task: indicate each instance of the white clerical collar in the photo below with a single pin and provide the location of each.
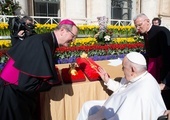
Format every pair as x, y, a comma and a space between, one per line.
139, 77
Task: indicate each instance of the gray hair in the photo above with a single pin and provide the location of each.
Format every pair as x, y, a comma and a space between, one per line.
141, 15
139, 68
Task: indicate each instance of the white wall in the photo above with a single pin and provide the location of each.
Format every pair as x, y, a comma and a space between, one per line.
150, 8
74, 8
98, 8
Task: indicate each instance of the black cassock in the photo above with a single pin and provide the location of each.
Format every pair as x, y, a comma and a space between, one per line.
34, 59
157, 45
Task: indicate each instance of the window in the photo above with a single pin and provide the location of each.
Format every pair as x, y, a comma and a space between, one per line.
47, 8
121, 9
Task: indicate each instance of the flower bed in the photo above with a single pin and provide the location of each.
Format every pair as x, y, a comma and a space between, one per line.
118, 48
123, 39
90, 30
96, 52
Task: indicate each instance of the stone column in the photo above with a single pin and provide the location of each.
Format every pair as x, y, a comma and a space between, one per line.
98, 8
74, 8
150, 8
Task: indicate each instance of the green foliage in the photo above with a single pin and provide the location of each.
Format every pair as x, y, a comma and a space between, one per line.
8, 7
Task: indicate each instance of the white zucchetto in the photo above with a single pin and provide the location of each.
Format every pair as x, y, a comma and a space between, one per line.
137, 58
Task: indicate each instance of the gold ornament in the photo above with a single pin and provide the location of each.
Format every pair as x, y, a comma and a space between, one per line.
85, 55
72, 70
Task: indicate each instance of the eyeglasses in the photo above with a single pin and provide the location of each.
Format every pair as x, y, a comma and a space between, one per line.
140, 24
74, 36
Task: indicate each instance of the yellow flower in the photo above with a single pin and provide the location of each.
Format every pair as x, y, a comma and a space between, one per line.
124, 40
5, 43
84, 41
4, 31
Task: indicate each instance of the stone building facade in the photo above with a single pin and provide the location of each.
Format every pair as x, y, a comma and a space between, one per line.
91, 9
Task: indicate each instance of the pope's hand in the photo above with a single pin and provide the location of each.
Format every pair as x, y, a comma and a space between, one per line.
103, 74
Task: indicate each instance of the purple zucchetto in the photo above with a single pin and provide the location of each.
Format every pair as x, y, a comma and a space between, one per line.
67, 22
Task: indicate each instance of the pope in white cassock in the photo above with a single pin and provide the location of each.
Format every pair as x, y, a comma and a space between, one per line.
136, 97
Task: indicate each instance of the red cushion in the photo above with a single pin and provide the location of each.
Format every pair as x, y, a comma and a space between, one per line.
87, 66
69, 78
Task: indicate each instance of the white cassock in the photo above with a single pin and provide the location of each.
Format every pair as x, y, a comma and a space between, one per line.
139, 99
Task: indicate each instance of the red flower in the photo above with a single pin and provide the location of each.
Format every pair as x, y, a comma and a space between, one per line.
66, 52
